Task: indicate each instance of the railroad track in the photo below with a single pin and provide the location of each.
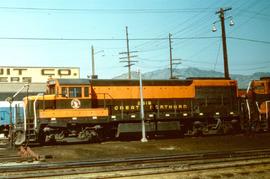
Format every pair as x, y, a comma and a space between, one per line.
11, 154
3, 142
7, 154
138, 166
9, 158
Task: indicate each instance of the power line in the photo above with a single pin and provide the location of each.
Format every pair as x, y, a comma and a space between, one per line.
122, 39
218, 51
184, 10
253, 68
96, 39
257, 13
151, 50
255, 3
200, 30
250, 40
59, 39
185, 28
200, 24
189, 19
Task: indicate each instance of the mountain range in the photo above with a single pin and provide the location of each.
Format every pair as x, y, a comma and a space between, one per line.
183, 73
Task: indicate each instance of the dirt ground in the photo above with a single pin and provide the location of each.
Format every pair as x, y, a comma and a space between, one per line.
125, 149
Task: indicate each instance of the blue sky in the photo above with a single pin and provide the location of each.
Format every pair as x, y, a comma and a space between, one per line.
149, 23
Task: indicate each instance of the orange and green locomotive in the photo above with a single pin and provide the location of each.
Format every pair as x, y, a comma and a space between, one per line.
91, 109
257, 104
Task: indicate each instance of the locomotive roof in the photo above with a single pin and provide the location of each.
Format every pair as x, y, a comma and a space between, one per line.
120, 82
80, 81
126, 82
265, 78
208, 78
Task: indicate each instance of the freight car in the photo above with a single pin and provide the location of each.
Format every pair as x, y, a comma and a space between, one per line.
86, 110
7, 112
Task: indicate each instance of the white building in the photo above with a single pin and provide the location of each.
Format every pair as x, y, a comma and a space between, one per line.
13, 78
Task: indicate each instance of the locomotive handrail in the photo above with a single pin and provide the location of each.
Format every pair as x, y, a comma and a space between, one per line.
10, 100
104, 95
260, 112
248, 107
248, 88
35, 110
266, 103
24, 119
218, 123
266, 109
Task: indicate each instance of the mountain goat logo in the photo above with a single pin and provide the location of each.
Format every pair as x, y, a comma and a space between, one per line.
75, 103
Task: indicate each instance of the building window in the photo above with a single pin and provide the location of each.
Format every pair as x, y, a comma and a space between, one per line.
86, 92
75, 92
3, 79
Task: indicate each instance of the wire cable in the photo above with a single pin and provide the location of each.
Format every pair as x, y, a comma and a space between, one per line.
97, 39
250, 40
185, 10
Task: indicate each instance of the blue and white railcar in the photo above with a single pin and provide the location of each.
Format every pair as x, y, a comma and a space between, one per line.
17, 114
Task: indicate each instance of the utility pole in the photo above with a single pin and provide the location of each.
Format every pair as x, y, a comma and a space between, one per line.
128, 57
224, 44
93, 76
170, 46
93, 61
128, 54
171, 58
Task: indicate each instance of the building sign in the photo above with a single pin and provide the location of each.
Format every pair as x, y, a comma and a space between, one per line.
36, 74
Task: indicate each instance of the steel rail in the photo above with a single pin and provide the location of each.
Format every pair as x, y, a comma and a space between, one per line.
136, 170
179, 162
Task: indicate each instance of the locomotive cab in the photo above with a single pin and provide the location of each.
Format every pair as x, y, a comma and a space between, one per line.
64, 111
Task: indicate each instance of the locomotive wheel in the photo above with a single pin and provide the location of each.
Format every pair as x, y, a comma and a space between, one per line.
198, 128
42, 138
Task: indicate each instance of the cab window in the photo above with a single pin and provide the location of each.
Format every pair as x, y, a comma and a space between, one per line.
86, 92
75, 92
51, 89
64, 92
